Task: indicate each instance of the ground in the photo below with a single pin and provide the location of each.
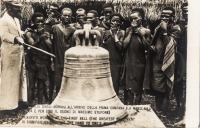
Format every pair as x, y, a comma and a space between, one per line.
170, 120
147, 99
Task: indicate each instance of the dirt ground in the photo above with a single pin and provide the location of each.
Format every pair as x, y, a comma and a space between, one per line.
169, 121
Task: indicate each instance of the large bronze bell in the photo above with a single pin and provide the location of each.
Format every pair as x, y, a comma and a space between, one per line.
87, 96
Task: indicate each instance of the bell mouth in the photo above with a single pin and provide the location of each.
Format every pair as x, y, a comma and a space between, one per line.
55, 120
87, 113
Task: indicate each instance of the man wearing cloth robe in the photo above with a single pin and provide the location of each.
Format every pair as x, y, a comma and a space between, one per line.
135, 43
113, 39
62, 41
162, 60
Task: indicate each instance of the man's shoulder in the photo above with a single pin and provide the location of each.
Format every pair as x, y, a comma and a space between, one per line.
177, 27
77, 25
71, 28
56, 25
103, 25
128, 29
121, 31
72, 24
176, 30
183, 25
147, 31
101, 29
5, 18
47, 28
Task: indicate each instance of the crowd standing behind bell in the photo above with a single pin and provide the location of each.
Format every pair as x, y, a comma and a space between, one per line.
140, 46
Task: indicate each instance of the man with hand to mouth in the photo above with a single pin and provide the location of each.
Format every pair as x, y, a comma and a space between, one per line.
112, 41
53, 15
108, 9
136, 43
162, 61
80, 18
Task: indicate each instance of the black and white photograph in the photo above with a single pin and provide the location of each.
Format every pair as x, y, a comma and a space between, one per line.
99, 63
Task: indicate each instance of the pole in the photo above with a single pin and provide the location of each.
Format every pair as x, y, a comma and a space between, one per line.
45, 52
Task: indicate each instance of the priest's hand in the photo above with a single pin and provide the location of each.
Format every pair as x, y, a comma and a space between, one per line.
18, 40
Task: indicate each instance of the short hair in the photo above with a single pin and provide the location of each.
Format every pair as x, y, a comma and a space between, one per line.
140, 11
183, 5
36, 14
54, 5
171, 9
106, 5
80, 11
94, 12
116, 14
67, 9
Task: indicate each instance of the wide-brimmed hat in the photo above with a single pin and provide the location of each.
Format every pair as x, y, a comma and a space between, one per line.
14, 3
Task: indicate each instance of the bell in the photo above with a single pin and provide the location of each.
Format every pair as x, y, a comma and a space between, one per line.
87, 96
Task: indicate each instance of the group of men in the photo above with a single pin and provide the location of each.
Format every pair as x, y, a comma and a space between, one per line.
139, 58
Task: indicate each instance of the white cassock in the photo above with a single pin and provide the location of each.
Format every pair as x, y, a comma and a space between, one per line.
13, 87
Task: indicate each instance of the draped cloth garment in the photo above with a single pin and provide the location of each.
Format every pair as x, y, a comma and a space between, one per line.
135, 62
115, 57
62, 40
